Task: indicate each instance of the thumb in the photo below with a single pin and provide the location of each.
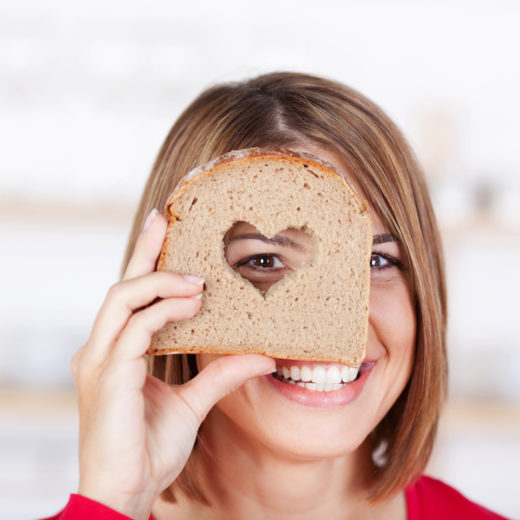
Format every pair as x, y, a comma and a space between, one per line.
221, 377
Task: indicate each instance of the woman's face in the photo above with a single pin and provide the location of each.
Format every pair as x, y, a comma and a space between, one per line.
310, 423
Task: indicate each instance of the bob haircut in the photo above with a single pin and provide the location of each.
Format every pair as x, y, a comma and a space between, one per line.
283, 110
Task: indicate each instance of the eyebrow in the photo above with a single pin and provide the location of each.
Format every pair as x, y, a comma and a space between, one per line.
278, 240
283, 241
385, 237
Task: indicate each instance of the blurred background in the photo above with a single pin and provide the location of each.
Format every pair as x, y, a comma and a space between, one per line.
88, 91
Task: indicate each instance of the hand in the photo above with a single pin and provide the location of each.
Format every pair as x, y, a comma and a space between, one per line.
137, 432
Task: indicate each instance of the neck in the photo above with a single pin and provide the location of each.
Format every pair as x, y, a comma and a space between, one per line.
246, 479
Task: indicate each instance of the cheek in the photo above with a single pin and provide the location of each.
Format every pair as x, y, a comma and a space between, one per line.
392, 319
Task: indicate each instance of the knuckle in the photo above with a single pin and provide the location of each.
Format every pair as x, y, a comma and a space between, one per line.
152, 318
114, 292
140, 320
83, 366
74, 362
165, 277
195, 407
180, 308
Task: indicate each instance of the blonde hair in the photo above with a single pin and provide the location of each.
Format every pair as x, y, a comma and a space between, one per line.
285, 109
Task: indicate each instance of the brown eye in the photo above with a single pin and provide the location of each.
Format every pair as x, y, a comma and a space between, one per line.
378, 261
267, 261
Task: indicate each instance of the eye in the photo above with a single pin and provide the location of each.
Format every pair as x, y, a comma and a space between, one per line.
263, 261
380, 261
262, 270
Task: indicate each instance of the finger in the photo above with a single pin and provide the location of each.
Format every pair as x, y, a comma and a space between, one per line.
124, 298
147, 248
220, 378
136, 336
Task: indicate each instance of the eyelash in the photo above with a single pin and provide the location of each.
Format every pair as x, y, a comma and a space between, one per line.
392, 262
248, 259
390, 259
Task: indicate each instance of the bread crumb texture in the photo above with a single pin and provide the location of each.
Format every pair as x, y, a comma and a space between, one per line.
319, 312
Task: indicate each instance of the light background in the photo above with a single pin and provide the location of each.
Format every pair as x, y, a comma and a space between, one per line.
88, 91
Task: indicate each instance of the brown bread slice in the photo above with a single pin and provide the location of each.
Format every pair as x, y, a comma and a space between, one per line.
320, 311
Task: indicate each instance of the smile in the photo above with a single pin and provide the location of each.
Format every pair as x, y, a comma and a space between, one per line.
320, 385
318, 378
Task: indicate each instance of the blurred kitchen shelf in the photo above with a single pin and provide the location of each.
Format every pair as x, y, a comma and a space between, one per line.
95, 212
122, 211
483, 415
36, 403
456, 414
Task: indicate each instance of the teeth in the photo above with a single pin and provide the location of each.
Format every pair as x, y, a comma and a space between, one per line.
333, 375
319, 375
349, 374
320, 378
306, 373
295, 373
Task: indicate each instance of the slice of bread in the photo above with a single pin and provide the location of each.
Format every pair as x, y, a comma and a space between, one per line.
320, 311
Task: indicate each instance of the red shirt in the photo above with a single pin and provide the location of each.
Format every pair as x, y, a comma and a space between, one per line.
431, 499
426, 499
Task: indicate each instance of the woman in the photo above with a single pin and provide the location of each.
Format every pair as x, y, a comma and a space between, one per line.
257, 453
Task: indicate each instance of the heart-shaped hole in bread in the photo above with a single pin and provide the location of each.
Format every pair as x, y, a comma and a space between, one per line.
264, 261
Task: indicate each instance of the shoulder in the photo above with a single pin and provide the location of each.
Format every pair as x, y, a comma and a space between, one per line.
429, 498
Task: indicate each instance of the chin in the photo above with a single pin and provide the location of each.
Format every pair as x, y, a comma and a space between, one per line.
314, 445
258, 416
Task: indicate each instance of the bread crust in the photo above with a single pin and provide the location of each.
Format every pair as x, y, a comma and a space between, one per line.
213, 167
251, 158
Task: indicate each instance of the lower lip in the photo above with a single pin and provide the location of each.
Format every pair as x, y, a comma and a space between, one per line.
315, 399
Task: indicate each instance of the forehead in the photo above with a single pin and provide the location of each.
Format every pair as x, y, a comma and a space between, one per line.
243, 229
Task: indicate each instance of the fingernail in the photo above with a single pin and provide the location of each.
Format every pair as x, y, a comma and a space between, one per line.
193, 279
149, 219
197, 296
